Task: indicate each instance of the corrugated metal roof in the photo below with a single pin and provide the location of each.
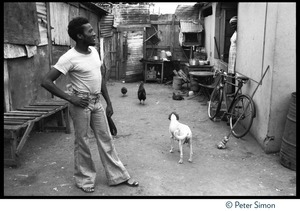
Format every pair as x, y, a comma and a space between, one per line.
95, 7
187, 12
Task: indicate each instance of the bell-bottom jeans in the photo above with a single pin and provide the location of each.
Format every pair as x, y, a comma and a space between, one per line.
94, 117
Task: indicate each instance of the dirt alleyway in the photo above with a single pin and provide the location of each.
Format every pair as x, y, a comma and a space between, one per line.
143, 145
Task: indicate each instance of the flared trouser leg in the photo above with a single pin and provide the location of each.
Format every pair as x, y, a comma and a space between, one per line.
114, 169
85, 172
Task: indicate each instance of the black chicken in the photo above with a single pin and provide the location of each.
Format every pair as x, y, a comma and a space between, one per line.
142, 93
177, 97
124, 90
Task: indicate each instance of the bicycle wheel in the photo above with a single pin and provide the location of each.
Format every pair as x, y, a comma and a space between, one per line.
242, 114
214, 103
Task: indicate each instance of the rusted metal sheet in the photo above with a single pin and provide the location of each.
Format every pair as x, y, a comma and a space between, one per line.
20, 23
25, 77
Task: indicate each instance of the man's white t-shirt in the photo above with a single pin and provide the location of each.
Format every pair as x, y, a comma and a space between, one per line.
83, 69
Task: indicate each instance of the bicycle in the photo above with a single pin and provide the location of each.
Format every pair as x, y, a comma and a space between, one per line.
240, 111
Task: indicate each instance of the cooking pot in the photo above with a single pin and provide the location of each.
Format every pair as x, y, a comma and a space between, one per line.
155, 58
194, 62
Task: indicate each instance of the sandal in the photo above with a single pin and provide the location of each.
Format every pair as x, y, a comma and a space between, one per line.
131, 183
221, 145
88, 189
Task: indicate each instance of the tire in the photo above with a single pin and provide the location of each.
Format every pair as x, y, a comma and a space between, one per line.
214, 103
244, 114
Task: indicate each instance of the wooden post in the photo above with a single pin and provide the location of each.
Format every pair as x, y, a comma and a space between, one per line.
144, 43
49, 39
7, 96
49, 33
173, 34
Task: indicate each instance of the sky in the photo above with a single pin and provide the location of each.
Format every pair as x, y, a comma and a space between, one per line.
170, 7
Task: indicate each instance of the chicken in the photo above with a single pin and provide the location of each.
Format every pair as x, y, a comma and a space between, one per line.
177, 97
124, 90
142, 93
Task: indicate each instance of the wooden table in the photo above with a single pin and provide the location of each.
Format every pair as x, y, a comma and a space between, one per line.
191, 68
153, 68
19, 123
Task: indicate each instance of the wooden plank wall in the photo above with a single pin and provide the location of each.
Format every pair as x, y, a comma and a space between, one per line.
110, 57
59, 19
168, 27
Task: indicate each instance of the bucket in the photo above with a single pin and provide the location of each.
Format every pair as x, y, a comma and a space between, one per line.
177, 83
288, 144
194, 86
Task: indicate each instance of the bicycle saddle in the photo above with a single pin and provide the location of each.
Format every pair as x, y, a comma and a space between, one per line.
242, 77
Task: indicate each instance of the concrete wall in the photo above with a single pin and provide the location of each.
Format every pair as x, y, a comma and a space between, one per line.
268, 39
284, 72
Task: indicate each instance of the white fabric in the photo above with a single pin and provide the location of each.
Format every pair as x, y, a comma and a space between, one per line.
83, 69
232, 53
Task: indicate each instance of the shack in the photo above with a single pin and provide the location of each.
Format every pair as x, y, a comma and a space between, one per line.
35, 36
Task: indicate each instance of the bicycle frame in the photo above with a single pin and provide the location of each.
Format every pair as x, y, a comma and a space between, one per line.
223, 83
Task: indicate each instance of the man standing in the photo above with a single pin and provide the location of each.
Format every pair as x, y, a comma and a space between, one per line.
83, 64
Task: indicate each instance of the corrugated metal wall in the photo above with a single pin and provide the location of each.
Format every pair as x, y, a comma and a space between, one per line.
134, 68
106, 25
42, 19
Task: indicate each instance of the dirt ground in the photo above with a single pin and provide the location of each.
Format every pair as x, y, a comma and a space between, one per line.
143, 144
